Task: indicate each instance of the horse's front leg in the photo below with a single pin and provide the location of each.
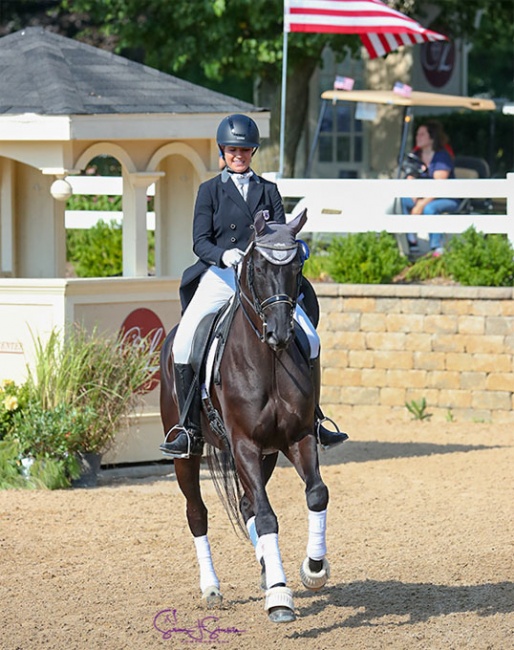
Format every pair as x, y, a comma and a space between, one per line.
245, 506
279, 598
315, 569
188, 477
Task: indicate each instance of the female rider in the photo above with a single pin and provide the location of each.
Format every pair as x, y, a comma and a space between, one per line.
222, 228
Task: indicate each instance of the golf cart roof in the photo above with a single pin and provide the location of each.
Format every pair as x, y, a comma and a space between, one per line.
416, 98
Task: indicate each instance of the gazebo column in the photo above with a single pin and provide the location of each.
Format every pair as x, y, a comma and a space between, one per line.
135, 239
6, 218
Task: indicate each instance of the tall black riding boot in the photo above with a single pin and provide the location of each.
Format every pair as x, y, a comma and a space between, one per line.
188, 439
326, 437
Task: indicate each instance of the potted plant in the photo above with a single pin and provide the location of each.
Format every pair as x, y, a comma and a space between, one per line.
81, 389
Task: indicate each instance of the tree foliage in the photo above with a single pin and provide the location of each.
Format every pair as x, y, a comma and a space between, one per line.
237, 43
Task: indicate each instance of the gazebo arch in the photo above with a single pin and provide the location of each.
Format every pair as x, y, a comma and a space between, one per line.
106, 149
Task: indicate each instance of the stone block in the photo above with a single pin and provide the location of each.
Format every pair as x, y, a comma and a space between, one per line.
500, 381
407, 378
499, 325
392, 396
430, 360
459, 307
395, 359
373, 377
492, 400
361, 359
385, 340
405, 322
418, 342
373, 322
471, 324
447, 343
359, 305
439, 379
454, 399
359, 395
487, 344
473, 380
440, 324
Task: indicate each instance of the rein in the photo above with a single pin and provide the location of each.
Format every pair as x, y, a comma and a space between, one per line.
284, 256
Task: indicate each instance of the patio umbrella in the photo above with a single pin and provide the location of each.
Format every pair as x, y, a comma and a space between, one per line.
380, 28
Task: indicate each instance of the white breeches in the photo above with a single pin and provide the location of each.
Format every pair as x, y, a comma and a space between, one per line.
215, 288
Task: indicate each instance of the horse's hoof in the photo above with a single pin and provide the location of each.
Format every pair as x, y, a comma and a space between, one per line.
279, 605
212, 597
281, 615
314, 580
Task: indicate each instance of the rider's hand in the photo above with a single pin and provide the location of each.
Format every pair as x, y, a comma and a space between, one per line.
232, 257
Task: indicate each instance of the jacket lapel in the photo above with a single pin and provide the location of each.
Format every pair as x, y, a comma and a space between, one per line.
255, 192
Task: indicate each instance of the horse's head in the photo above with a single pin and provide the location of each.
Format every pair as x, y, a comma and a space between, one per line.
271, 277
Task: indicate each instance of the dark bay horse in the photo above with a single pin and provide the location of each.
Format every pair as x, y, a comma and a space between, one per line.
266, 400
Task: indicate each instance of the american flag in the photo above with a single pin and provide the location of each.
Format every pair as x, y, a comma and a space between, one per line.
343, 83
402, 89
380, 28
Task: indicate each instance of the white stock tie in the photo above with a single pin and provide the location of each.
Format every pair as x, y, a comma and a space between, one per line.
242, 181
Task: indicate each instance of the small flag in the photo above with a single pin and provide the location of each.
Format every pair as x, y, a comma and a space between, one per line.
343, 83
402, 89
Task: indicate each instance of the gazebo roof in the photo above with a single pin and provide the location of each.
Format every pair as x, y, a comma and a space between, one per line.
44, 73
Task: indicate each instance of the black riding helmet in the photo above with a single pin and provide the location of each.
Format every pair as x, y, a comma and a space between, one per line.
238, 131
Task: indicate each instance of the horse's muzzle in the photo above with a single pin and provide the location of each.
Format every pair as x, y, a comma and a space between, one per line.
278, 341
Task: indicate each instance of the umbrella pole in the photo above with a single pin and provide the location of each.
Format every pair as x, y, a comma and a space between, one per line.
315, 139
283, 107
407, 118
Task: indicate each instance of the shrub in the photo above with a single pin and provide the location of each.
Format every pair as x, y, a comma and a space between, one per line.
97, 252
96, 379
367, 258
427, 268
13, 399
475, 259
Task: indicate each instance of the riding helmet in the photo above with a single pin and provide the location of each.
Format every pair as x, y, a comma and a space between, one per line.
238, 131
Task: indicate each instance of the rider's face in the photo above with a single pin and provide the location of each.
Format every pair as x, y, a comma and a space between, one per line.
423, 139
238, 159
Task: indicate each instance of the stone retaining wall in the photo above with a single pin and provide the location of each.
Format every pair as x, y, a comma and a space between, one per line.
385, 345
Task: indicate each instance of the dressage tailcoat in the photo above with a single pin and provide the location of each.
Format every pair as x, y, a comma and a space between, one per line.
224, 220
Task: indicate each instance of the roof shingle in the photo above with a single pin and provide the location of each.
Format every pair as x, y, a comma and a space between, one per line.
44, 73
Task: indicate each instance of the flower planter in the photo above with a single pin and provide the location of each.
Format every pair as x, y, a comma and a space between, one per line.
90, 466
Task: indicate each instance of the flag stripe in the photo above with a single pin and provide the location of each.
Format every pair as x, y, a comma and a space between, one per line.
381, 28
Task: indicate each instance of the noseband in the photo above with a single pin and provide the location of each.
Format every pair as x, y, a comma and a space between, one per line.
278, 255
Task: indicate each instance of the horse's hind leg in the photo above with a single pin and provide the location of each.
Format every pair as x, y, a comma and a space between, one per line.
315, 569
188, 477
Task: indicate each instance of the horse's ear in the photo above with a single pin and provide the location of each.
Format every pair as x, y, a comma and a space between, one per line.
298, 222
259, 221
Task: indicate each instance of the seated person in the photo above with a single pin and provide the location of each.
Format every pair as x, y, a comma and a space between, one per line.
432, 150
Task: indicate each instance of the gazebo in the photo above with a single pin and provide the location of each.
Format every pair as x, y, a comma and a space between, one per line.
63, 103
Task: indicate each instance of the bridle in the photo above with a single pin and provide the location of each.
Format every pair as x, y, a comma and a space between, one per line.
278, 255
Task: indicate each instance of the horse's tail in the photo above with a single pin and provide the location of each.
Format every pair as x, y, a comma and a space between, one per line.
226, 481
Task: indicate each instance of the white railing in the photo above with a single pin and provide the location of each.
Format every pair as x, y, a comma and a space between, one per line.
348, 205
100, 186
336, 206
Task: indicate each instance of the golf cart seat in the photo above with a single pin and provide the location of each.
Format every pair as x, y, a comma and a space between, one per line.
471, 167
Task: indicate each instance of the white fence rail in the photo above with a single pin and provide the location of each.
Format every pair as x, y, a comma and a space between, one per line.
348, 205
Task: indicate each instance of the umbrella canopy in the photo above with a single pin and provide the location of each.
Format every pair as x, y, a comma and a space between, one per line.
381, 28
